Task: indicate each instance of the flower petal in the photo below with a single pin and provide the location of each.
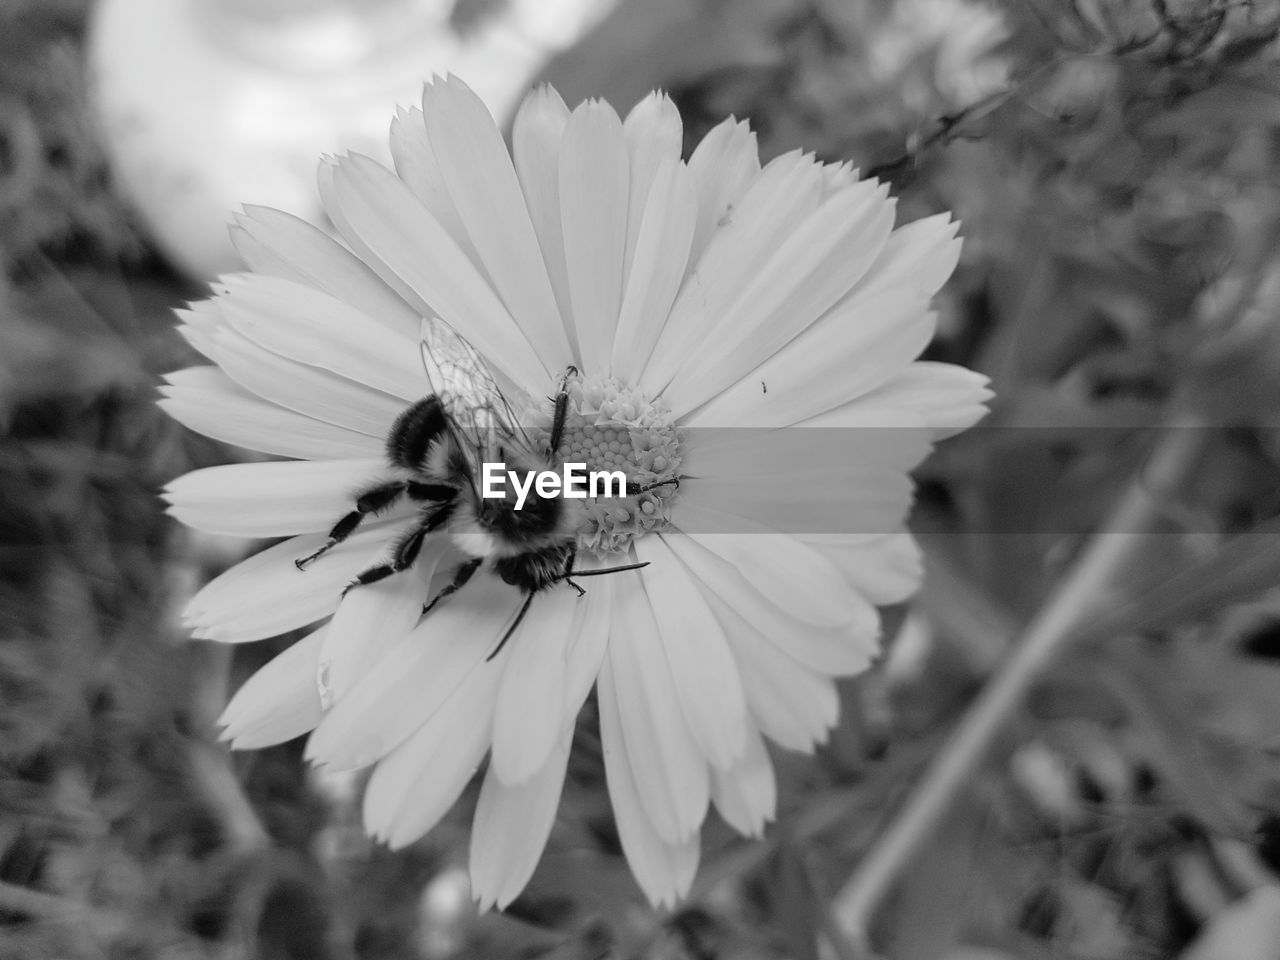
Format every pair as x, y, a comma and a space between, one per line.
746, 794
655, 137
416, 165
418, 258
791, 574
209, 402
315, 258
808, 272
664, 870
781, 196
373, 619
535, 148
311, 327
267, 594
474, 165
277, 499
702, 667
418, 781
656, 268
412, 679
843, 650
589, 633
858, 345
279, 702
791, 704
593, 210
527, 722
512, 824
670, 771
309, 391
885, 569
723, 165
950, 398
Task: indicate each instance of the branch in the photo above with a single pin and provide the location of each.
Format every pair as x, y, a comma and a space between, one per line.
1050, 632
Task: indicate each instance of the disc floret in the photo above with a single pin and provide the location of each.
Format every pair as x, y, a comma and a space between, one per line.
612, 426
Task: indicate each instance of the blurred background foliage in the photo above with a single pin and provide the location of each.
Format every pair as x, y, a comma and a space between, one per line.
1116, 166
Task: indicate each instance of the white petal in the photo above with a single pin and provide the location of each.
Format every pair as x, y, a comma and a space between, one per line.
315, 258
530, 715
589, 633
885, 570
791, 704
843, 650
511, 827
655, 138
276, 499
723, 165
413, 678
746, 794
373, 619
416, 165
279, 702
208, 401
535, 148
808, 272
656, 268
874, 499
777, 201
670, 771
417, 783
702, 667
415, 255
482, 184
309, 391
593, 210
855, 347
664, 870
267, 594
789, 573
918, 257
199, 320
948, 397
311, 327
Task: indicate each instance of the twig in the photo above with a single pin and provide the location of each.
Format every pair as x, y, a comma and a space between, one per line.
1076, 598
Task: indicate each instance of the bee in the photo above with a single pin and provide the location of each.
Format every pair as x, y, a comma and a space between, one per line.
438, 446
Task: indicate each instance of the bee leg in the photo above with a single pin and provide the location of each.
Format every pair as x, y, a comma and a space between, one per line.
406, 552
461, 575
528, 599
374, 500
562, 408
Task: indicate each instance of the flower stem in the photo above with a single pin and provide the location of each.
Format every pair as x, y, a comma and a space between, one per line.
1076, 598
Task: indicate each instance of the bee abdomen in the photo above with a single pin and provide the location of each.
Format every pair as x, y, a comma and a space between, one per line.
413, 432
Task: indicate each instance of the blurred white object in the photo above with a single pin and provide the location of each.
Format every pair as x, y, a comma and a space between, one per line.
206, 105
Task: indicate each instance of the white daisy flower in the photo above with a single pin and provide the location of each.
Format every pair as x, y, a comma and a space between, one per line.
688, 297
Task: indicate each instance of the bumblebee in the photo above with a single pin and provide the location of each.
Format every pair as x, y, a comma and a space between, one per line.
437, 447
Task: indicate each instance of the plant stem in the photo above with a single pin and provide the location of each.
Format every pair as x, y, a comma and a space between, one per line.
1077, 597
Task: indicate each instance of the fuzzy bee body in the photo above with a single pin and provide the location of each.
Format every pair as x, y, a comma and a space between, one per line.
438, 446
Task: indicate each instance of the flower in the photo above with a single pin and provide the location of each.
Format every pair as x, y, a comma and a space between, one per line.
695, 299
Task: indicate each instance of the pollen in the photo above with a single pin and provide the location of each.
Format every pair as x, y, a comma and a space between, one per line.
612, 426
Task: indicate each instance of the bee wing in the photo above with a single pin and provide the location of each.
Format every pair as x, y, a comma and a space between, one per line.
478, 414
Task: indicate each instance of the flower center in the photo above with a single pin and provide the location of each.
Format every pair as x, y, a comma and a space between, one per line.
610, 426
